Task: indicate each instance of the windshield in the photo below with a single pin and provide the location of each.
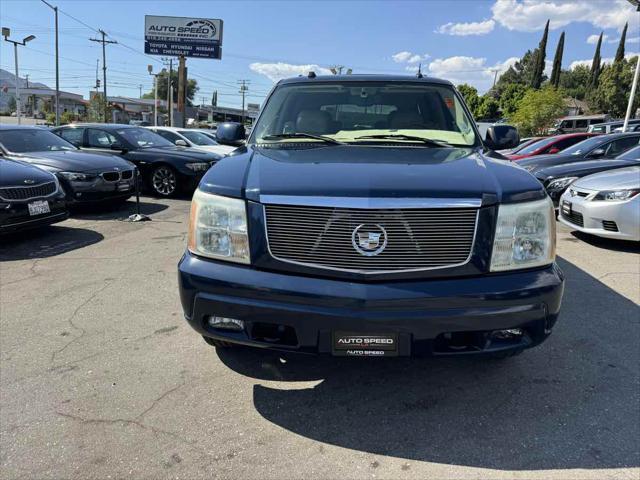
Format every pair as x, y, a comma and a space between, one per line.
349, 111
584, 146
33, 140
143, 138
197, 137
532, 147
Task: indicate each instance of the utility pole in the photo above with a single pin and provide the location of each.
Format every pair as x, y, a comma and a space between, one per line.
632, 94
6, 32
140, 88
169, 89
55, 10
104, 43
182, 91
495, 75
26, 77
244, 88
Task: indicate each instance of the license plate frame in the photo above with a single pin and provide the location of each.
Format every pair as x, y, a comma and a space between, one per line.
353, 344
39, 207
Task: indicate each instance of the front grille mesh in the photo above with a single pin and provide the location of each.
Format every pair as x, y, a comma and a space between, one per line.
416, 238
23, 193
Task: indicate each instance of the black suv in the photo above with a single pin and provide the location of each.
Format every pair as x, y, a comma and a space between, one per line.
366, 217
165, 168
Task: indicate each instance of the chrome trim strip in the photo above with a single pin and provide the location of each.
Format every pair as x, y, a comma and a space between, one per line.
369, 272
55, 181
372, 203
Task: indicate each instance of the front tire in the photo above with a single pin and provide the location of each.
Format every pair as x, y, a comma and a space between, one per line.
164, 181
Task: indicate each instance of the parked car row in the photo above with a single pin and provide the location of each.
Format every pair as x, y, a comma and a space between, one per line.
45, 171
594, 184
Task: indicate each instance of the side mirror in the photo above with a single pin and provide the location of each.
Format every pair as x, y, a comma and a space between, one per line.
181, 143
553, 150
597, 153
501, 137
117, 146
231, 133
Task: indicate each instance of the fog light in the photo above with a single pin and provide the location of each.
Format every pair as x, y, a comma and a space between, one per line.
508, 334
225, 323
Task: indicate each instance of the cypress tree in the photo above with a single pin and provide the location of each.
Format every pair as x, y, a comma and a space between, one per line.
595, 64
620, 51
541, 54
557, 63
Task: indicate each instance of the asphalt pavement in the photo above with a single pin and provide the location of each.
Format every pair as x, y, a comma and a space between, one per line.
100, 377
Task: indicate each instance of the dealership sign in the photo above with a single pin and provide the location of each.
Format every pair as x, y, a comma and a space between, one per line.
175, 36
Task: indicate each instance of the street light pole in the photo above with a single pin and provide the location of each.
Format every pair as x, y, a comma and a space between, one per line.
55, 10
6, 32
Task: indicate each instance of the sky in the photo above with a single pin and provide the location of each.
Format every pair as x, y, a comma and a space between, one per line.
460, 40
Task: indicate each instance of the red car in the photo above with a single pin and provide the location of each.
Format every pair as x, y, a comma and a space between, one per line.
550, 145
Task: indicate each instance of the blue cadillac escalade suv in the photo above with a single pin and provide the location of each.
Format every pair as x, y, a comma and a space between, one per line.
365, 216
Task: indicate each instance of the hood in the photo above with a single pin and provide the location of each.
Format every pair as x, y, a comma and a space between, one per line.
537, 162
370, 172
186, 153
14, 173
580, 169
76, 160
620, 179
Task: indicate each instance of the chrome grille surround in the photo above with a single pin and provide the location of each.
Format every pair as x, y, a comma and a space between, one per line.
419, 237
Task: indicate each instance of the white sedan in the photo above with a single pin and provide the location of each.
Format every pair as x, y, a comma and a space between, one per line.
606, 204
189, 137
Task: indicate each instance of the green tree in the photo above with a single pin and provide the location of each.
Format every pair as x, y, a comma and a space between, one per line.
471, 98
575, 82
66, 117
162, 79
612, 94
510, 98
521, 72
557, 63
595, 65
538, 110
539, 64
95, 111
620, 52
488, 108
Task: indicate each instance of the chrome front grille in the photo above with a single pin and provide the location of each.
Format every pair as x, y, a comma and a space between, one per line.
116, 175
29, 192
327, 237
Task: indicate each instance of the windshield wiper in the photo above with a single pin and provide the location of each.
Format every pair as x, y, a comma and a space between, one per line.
399, 136
302, 135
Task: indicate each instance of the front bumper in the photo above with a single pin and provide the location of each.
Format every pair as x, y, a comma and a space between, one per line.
14, 216
98, 190
427, 315
617, 220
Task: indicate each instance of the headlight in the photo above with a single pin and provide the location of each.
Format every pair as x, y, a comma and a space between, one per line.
198, 166
561, 183
78, 177
525, 236
616, 195
218, 228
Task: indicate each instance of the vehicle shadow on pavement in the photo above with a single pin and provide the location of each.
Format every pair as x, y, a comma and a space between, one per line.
118, 211
608, 243
570, 403
45, 242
